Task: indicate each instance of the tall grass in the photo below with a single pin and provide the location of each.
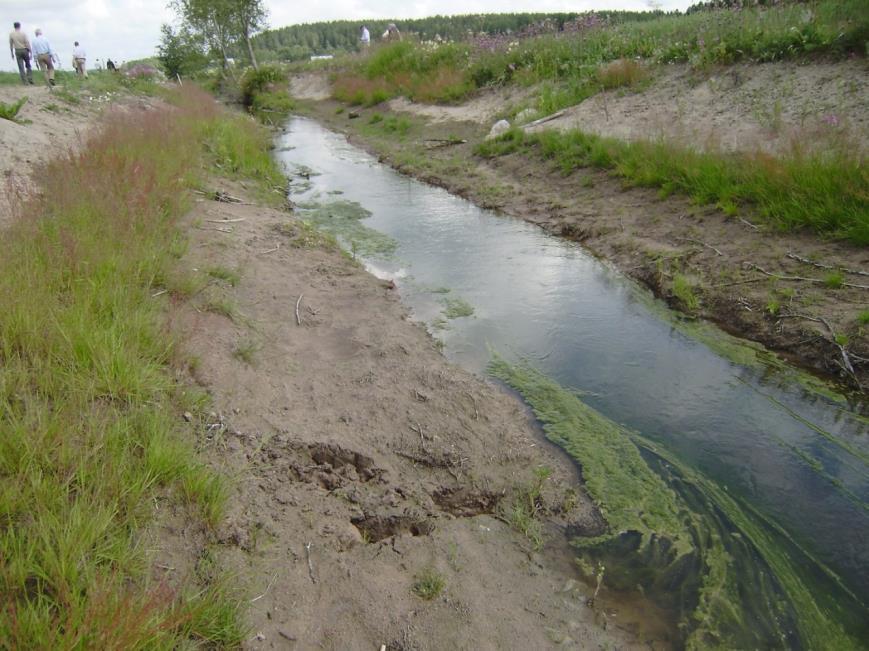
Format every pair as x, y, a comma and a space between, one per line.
825, 192
88, 406
570, 63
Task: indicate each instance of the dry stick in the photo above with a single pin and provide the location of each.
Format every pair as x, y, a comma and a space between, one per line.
310, 564
268, 587
708, 246
845, 359
794, 256
160, 293
272, 250
751, 265
748, 223
226, 221
220, 230
555, 115
298, 318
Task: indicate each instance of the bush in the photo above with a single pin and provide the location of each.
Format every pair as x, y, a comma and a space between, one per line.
254, 82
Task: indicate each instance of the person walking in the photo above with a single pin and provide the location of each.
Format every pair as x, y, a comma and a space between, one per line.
79, 59
364, 37
44, 55
19, 48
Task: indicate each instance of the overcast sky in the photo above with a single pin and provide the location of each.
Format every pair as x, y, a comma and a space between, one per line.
130, 29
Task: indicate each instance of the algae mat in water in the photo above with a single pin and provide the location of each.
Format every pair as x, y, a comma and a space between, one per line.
734, 578
343, 219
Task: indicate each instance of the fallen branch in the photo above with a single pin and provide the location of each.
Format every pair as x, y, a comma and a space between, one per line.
554, 116
443, 142
160, 293
226, 221
846, 360
272, 250
751, 265
794, 256
298, 302
749, 224
708, 246
310, 564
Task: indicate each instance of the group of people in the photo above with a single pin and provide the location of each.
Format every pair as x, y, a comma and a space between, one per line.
391, 34
23, 50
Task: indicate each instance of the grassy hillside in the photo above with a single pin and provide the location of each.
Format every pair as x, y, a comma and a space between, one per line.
93, 445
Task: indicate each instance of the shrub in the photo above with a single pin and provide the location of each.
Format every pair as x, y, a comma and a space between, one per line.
254, 82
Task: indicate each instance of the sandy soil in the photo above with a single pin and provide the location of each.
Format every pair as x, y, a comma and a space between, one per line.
363, 458
48, 125
746, 107
652, 239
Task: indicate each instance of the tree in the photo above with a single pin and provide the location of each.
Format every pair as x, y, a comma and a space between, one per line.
180, 53
222, 23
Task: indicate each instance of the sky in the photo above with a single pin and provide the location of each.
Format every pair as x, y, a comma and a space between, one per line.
130, 29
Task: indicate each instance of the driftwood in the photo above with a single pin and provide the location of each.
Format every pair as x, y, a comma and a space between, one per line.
819, 265
548, 118
434, 143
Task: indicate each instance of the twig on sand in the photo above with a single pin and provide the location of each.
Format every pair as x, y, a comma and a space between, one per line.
268, 587
310, 564
554, 116
749, 224
226, 221
751, 265
692, 240
298, 302
272, 250
216, 228
160, 293
819, 265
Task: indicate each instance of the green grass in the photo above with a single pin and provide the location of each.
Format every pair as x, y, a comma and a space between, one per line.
685, 291
245, 351
825, 192
230, 276
572, 64
10, 111
89, 405
429, 584
455, 307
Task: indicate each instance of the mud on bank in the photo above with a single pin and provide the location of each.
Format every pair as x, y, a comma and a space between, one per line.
376, 485
770, 287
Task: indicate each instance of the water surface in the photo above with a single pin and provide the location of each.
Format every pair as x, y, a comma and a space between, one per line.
799, 457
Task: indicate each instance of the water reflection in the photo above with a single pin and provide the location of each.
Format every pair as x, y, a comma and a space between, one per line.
751, 429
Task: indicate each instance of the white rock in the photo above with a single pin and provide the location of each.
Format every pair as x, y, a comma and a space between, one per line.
501, 126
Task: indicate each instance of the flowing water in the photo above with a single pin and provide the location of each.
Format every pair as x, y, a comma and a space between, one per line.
777, 468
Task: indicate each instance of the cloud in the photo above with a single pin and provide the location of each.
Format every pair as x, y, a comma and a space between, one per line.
130, 29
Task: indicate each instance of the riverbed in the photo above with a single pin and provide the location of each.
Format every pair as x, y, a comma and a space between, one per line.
788, 452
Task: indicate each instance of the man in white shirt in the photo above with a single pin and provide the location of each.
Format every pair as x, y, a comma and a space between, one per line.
44, 55
79, 59
364, 37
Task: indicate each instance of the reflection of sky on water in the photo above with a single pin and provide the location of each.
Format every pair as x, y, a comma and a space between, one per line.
546, 300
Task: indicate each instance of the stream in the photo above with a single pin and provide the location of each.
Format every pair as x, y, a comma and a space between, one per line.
773, 465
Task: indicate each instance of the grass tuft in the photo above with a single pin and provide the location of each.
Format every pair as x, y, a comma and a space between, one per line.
429, 584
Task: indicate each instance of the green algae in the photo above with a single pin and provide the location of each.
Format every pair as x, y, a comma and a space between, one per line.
343, 220
455, 308
733, 578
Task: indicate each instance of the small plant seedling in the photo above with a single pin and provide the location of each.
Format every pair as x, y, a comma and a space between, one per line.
429, 584
10, 111
834, 280
230, 276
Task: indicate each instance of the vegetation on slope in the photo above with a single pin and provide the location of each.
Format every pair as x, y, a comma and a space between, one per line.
570, 61
825, 192
89, 407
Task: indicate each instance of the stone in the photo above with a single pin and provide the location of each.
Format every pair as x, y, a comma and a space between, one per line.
500, 127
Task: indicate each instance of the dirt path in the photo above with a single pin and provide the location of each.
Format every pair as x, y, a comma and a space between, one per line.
728, 263
363, 461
